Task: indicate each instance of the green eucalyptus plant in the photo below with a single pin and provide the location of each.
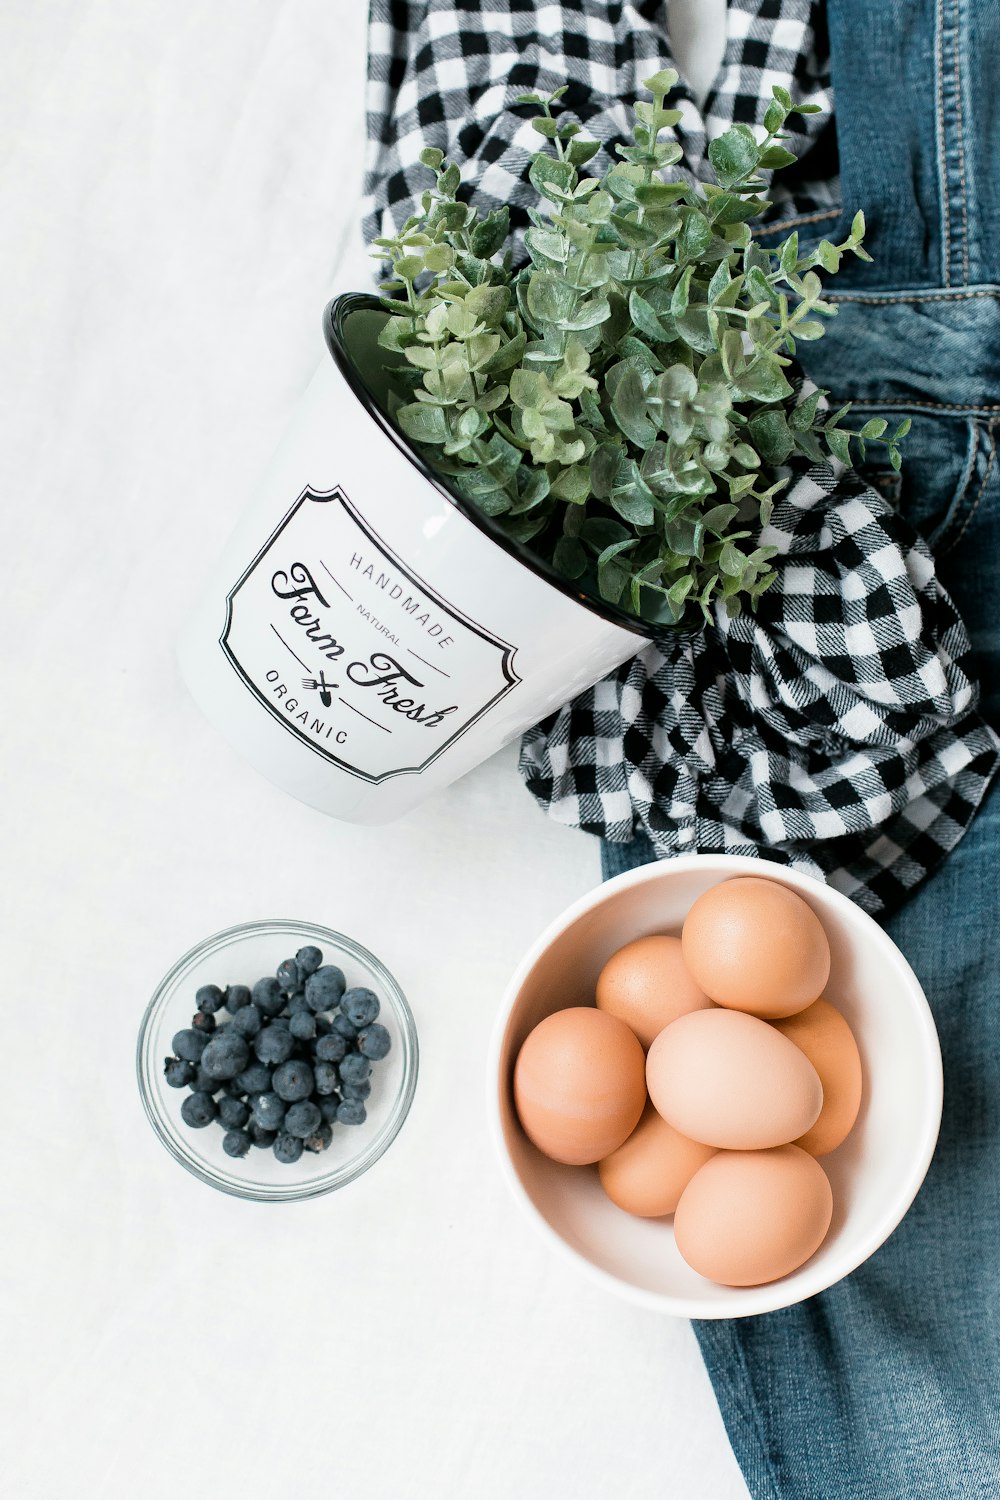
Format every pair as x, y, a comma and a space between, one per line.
619, 404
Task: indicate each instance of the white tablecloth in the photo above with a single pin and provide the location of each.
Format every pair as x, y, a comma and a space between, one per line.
177, 185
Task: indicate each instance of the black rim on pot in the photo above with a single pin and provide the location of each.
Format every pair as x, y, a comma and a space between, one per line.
334, 319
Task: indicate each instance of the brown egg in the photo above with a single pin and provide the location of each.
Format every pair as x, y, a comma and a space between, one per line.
646, 985
579, 1084
824, 1036
751, 1216
719, 1076
647, 1175
753, 944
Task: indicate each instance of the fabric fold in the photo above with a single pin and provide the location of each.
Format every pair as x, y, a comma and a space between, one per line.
834, 730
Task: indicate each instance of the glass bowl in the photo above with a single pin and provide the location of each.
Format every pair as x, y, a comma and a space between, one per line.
241, 955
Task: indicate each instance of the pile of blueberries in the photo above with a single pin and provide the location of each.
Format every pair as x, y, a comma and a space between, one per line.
292, 1056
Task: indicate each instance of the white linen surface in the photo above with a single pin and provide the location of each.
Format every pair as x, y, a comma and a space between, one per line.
178, 183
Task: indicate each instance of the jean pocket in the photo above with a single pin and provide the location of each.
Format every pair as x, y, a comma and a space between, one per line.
947, 462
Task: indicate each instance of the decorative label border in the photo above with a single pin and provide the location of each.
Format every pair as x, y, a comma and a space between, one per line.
508, 652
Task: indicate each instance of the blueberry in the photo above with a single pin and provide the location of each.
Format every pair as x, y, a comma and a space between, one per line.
288, 1148
203, 1020
303, 1118
236, 1143
209, 999
328, 1108
297, 1005
325, 987
374, 1042
326, 1078
261, 1137
237, 995
352, 1112
308, 959
288, 975
246, 1022
256, 1079
233, 1113
268, 1111
274, 1044
354, 1068
293, 1081
267, 996
331, 1048
226, 1055
177, 1072
320, 1138
345, 1027
356, 1090
204, 1083
360, 1007
198, 1110
323, 1025
303, 1026
190, 1044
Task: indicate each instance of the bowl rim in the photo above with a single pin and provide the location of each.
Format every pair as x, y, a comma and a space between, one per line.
307, 931
769, 1297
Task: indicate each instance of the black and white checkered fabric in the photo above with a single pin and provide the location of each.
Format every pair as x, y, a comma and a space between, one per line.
835, 729
446, 73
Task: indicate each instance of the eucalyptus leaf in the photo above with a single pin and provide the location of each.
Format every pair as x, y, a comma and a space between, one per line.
507, 355
551, 178
588, 315
775, 157
733, 155
770, 435
579, 152
569, 557
695, 236
762, 380
601, 532
631, 497
572, 484
630, 407
424, 424
645, 318
620, 406
839, 443
612, 580
549, 299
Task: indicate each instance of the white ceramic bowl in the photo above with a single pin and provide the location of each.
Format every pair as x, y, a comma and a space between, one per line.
875, 1173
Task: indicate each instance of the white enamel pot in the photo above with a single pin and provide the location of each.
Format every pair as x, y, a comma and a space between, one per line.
367, 636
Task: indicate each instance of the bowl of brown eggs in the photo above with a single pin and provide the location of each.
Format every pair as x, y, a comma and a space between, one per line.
715, 1084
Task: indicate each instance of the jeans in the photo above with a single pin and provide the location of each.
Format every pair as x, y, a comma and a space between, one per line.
887, 1386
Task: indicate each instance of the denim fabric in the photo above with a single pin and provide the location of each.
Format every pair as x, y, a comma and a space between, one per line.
887, 1387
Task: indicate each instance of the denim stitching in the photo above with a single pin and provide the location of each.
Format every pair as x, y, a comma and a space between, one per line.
906, 401
982, 489
886, 299
939, 131
961, 146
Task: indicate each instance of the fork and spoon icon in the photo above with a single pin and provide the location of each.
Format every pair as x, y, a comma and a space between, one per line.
321, 686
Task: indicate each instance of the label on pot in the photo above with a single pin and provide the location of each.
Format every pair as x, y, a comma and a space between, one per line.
352, 652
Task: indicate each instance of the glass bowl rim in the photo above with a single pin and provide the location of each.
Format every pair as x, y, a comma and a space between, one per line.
228, 937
